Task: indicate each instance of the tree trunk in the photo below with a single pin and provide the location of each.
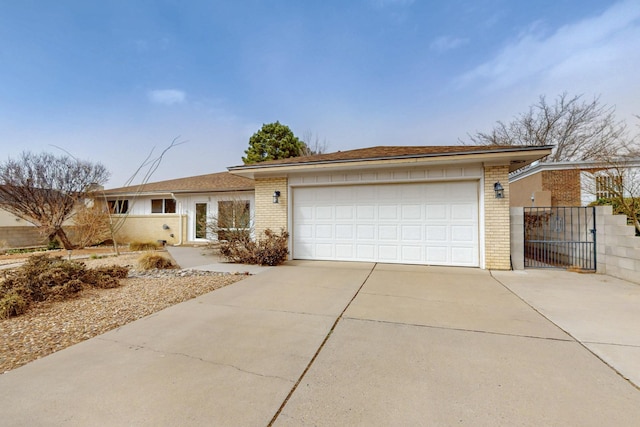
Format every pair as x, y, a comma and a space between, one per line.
64, 239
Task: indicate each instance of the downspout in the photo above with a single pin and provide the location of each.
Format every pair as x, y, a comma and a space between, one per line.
179, 204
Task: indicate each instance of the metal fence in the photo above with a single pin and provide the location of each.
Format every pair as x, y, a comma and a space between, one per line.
560, 237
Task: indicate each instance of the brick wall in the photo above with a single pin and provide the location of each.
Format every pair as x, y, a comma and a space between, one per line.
564, 186
496, 218
268, 214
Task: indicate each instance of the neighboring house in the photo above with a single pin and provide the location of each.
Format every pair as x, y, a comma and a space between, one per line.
176, 211
569, 183
414, 205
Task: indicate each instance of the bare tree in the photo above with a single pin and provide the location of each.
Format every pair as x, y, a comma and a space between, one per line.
44, 189
578, 129
313, 144
147, 168
616, 182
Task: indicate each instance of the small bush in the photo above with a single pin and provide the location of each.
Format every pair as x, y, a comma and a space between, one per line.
53, 244
143, 246
150, 261
270, 250
12, 304
44, 278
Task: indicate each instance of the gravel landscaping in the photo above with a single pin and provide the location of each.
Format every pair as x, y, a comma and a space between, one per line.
49, 327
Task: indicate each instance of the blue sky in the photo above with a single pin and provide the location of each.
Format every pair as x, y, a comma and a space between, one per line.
108, 81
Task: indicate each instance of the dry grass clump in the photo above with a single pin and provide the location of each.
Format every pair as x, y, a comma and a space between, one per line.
272, 249
150, 261
44, 278
143, 246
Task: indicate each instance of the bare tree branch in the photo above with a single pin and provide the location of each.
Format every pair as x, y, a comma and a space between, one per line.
578, 129
44, 189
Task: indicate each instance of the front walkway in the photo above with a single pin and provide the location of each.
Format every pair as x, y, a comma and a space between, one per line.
322, 343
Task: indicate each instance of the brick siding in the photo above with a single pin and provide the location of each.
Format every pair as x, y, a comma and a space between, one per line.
496, 214
564, 186
268, 214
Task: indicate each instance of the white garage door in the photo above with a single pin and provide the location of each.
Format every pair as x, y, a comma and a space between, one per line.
424, 223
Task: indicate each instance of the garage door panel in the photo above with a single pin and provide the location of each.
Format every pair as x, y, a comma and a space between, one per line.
436, 254
344, 212
388, 212
365, 212
412, 232
303, 213
344, 231
324, 231
366, 252
462, 256
388, 232
344, 251
412, 212
463, 211
437, 212
412, 254
425, 223
388, 253
463, 233
366, 231
324, 212
436, 233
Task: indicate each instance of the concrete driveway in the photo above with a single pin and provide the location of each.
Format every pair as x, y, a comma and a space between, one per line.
315, 343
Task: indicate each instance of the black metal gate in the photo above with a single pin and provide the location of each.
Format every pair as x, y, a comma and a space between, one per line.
560, 237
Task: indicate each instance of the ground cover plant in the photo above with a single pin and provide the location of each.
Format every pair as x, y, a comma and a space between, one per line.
43, 278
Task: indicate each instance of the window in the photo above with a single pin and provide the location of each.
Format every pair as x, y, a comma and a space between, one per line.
608, 186
118, 206
163, 206
233, 217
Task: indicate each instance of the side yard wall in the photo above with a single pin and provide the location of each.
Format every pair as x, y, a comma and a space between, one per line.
20, 237
617, 247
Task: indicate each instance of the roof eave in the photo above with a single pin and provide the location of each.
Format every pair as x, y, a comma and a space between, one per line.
516, 157
169, 193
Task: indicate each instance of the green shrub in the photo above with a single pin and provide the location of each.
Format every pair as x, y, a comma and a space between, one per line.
53, 245
43, 278
143, 246
270, 250
149, 261
619, 210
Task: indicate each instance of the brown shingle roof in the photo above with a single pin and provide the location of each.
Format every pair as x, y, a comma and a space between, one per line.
387, 152
221, 181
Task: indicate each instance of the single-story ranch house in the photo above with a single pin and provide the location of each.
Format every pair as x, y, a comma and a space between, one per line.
436, 205
175, 211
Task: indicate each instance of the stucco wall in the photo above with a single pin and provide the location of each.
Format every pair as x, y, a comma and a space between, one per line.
144, 228
268, 214
522, 189
496, 213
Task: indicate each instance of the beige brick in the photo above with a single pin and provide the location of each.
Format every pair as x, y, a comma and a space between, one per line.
268, 214
496, 213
